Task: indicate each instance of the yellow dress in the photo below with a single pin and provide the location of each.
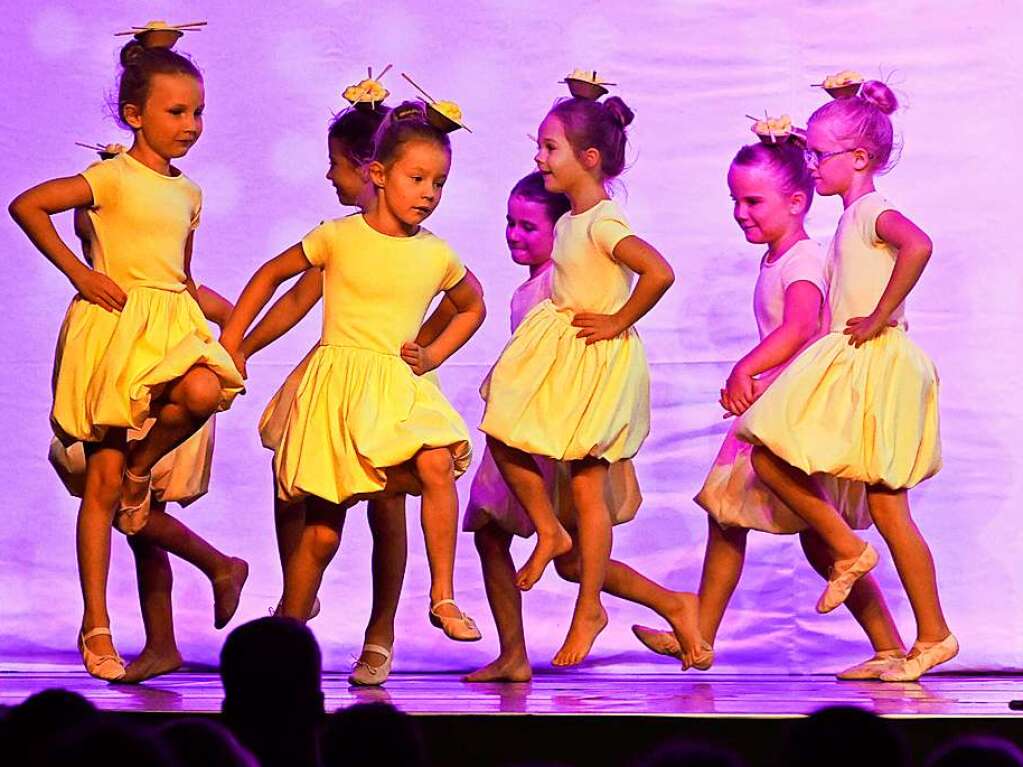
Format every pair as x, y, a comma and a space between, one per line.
181, 476
109, 365
549, 393
358, 407
490, 499
868, 414
275, 414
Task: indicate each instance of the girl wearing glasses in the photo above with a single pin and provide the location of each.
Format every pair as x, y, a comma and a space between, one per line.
862, 402
772, 189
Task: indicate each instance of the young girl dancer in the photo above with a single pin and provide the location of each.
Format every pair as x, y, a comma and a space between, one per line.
772, 190
350, 149
494, 516
134, 344
182, 476
572, 384
862, 402
364, 419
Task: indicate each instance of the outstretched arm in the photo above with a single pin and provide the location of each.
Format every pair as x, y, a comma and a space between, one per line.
467, 298
257, 292
914, 251
215, 307
285, 313
655, 277
32, 210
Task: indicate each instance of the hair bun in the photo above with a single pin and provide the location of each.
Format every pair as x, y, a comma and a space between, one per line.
619, 111
408, 110
880, 95
132, 52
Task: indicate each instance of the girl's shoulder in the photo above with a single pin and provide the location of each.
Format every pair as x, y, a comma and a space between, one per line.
860, 218
326, 238
869, 207
342, 225
808, 249
606, 226
605, 210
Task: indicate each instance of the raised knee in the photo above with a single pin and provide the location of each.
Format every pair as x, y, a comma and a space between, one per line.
435, 466
567, 568
201, 392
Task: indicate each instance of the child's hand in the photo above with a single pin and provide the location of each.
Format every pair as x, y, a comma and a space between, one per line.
99, 289
759, 387
418, 358
727, 405
238, 357
597, 327
740, 389
240, 360
862, 329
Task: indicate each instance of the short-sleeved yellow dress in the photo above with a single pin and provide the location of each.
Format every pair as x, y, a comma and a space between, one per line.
110, 365
490, 498
549, 393
358, 407
867, 413
182, 476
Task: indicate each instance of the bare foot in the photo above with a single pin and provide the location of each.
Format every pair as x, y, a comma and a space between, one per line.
149, 664
548, 547
587, 623
515, 669
684, 620
227, 590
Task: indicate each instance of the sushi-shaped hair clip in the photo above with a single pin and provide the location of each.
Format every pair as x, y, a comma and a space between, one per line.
777, 130
443, 115
367, 94
585, 84
160, 34
844, 85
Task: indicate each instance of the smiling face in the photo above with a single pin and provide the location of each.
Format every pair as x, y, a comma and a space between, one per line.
562, 167
410, 186
347, 178
170, 120
762, 208
529, 232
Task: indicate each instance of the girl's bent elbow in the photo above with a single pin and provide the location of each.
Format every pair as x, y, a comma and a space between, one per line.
926, 247
17, 208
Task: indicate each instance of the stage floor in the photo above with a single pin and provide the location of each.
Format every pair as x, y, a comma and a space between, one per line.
578, 694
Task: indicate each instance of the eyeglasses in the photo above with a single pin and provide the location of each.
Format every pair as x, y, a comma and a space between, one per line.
813, 158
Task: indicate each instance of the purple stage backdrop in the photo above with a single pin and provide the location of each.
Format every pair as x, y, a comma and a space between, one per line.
691, 71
